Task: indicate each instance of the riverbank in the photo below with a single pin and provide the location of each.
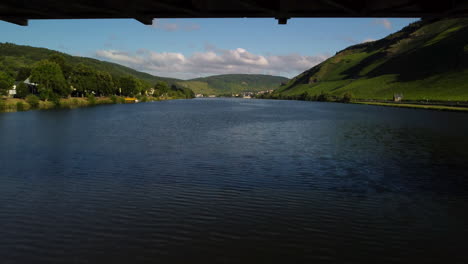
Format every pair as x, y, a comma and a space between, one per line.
437, 107
16, 104
459, 106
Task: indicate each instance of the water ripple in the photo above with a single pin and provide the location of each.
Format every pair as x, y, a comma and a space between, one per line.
233, 181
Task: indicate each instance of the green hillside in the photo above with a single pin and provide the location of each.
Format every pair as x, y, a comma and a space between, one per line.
14, 57
233, 83
425, 60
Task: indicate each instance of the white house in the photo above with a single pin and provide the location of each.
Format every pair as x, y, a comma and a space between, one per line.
12, 91
28, 82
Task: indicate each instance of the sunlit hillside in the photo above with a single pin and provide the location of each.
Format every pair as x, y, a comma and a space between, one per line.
425, 60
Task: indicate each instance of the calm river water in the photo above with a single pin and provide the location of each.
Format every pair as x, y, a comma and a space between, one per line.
234, 181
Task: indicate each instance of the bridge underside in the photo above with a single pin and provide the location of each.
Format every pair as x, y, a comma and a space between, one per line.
19, 12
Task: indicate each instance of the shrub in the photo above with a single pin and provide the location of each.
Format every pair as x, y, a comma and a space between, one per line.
323, 97
114, 99
19, 106
66, 104
2, 104
44, 95
32, 100
303, 96
347, 97
91, 99
121, 100
56, 100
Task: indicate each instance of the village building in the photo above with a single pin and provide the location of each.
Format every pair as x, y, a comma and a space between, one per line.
150, 92
397, 97
12, 91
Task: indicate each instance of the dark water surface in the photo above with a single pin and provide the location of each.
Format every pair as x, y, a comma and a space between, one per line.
234, 181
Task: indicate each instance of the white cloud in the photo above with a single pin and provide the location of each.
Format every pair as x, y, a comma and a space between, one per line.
368, 40
212, 61
384, 22
172, 26
119, 56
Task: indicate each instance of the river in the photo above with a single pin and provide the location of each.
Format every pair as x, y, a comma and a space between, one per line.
234, 181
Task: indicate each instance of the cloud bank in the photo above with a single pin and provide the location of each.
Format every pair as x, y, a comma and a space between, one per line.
210, 62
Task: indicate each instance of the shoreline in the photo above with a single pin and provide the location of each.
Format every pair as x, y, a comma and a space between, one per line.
20, 105
434, 107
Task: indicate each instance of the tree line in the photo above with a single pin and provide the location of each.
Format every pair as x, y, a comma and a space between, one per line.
53, 78
307, 96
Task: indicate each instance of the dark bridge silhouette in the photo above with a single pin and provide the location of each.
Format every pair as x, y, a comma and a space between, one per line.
20, 11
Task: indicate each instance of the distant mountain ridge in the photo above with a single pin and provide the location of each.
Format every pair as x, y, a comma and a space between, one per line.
234, 83
427, 60
13, 57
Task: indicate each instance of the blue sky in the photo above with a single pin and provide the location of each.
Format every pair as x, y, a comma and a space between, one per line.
187, 48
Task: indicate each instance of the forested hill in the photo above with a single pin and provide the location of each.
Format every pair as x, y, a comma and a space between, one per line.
427, 60
14, 57
234, 83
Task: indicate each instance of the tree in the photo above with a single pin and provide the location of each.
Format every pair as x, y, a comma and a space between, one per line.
188, 93
105, 84
347, 97
303, 96
32, 100
22, 90
6, 83
130, 85
156, 93
23, 74
185, 93
174, 87
161, 87
83, 79
323, 97
60, 60
50, 80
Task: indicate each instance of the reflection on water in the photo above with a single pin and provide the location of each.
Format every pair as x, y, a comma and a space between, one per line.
233, 181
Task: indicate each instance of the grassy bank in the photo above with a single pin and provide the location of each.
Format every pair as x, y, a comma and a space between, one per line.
418, 106
15, 104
